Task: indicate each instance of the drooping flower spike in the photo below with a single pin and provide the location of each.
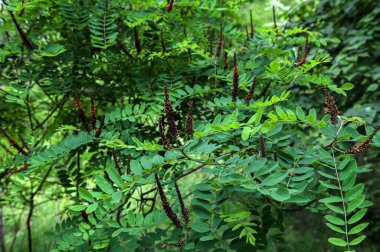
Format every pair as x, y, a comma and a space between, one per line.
235, 80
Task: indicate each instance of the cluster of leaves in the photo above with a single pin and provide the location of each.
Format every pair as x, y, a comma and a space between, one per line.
243, 159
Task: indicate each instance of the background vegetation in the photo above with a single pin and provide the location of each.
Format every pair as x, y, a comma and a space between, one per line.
278, 152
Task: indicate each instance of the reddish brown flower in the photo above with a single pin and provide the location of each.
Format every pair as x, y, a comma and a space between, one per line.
274, 19
165, 204
99, 129
302, 61
235, 80
169, 6
184, 210
170, 114
137, 40
331, 107
13, 143
252, 27
360, 147
262, 146
275, 156
250, 93
220, 41
190, 120
164, 140
81, 114
93, 113
179, 243
225, 65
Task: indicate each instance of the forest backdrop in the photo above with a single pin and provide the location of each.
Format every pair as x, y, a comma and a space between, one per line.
189, 125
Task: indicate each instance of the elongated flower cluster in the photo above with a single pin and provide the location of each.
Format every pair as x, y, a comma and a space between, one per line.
170, 114
13, 143
211, 40
274, 19
165, 204
225, 65
190, 120
81, 114
137, 40
265, 89
249, 96
179, 243
235, 80
98, 131
184, 210
331, 107
169, 6
220, 42
302, 61
252, 27
262, 146
360, 147
275, 156
164, 140
93, 113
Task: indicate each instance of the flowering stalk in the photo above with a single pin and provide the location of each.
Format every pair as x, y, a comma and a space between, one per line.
184, 210
252, 27
13, 143
220, 42
360, 147
170, 114
331, 107
274, 19
211, 40
262, 145
164, 140
225, 65
265, 90
93, 112
275, 156
235, 80
169, 6
99, 129
305, 52
251, 91
137, 40
190, 120
165, 204
179, 243
81, 114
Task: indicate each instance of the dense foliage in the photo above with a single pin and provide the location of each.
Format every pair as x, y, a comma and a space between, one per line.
172, 125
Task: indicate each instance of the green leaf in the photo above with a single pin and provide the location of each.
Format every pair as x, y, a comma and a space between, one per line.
331, 199
245, 133
355, 203
357, 216
91, 208
300, 113
115, 176
274, 178
335, 228
77, 208
337, 242
199, 227
334, 220
280, 194
357, 240
85, 194
358, 228
136, 167
312, 117
104, 185
281, 113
